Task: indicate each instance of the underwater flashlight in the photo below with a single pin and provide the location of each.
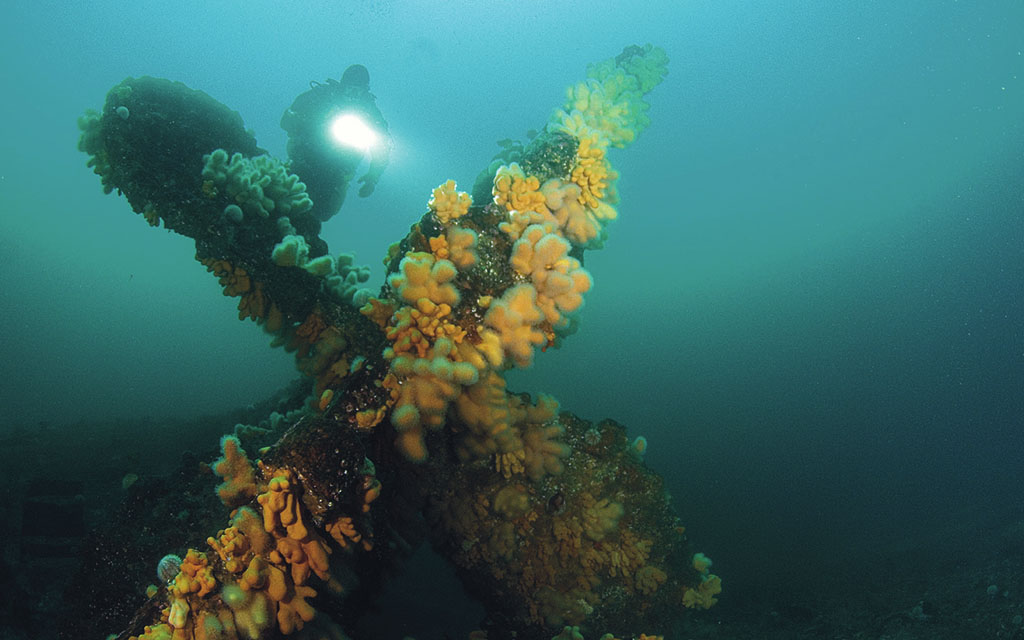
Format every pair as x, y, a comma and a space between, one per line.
349, 129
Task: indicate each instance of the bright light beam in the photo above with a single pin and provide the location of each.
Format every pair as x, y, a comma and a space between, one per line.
349, 129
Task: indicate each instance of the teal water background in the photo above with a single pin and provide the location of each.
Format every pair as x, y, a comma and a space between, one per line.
811, 304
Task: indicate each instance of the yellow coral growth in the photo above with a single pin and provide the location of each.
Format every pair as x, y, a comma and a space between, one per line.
628, 555
293, 611
557, 608
426, 387
295, 546
509, 462
414, 329
378, 310
610, 102
457, 246
449, 204
307, 333
268, 561
516, 191
484, 409
514, 318
514, 432
235, 280
604, 109
326, 360
600, 517
431, 360
234, 467
195, 576
703, 597
233, 548
511, 501
325, 400
521, 437
372, 490
250, 524
559, 279
592, 173
482, 351
303, 557
254, 302
255, 575
343, 531
281, 507
369, 418
422, 276
462, 247
439, 247
701, 563
579, 224
648, 578
543, 453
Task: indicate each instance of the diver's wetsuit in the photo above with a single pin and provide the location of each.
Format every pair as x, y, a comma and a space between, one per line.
325, 166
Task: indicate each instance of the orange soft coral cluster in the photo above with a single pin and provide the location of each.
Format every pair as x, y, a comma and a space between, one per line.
544, 223
325, 360
592, 173
559, 280
610, 101
306, 334
425, 373
297, 546
196, 576
449, 204
703, 595
520, 438
457, 246
254, 302
431, 360
268, 564
560, 539
239, 486
577, 208
515, 191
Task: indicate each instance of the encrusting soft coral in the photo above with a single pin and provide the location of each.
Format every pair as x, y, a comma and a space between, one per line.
543, 450
592, 174
293, 251
457, 245
427, 385
611, 100
515, 318
448, 204
262, 185
544, 223
554, 521
268, 561
560, 281
516, 191
485, 413
421, 276
703, 596
239, 485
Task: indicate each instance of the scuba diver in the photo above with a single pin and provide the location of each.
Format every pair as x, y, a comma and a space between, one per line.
330, 129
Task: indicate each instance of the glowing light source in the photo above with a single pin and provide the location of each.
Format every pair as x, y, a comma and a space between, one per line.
349, 129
